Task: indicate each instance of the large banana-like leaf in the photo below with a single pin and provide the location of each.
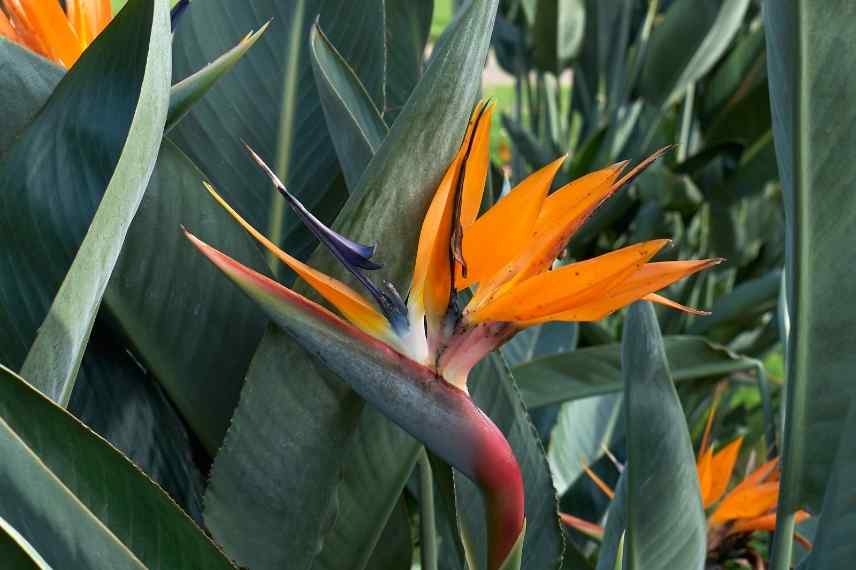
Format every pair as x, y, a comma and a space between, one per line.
666, 527
122, 403
408, 24
686, 44
25, 84
811, 123
348, 108
596, 370
171, 306
493, 389
143, 66
583, 430
834, 548
271, 102
112, 395
16, 553
295, 421
79, 502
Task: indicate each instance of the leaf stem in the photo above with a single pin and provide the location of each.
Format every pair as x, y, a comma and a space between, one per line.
780, 556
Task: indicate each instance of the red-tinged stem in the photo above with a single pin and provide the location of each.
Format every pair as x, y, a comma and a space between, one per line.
444, 418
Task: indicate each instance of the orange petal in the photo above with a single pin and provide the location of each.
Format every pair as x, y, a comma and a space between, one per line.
50, 24
504, 231
601, 484
89, 17
705, 438
6, 29
655, 298
763, 523
705, 476
349, 302
747, 502
562, 213
432, 277
651, 277
721, 468
475, 173
567, 287
589, 529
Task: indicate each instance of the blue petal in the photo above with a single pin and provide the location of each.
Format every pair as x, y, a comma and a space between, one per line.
354, 256
348, 251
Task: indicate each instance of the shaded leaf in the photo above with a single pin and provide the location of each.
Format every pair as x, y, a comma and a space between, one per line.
142, 68
596, 370
666, 526
56, 494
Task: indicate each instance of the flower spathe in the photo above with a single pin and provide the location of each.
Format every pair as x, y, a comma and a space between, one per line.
459, 249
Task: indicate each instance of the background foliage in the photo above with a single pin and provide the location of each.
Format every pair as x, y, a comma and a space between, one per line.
270, 453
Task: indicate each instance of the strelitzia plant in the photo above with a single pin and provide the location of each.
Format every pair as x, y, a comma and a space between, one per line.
735, 514
507, 253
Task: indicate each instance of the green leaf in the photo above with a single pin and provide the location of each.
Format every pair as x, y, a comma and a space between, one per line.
557, 32
686, 44
122, 403
596, 370
16, 553
806, 52
113, 395
743, 67
142, 69
666, 526
743, 303
583, 430
613, 548
271, 101
493, 389
541, 340
189, 90
172, 307
834, 548
408, 25
348, 109
55, 492
296, 433
395, 550
25, 84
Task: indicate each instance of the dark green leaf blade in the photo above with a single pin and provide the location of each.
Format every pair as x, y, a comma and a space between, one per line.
596, 370
118, 155
270, 101
16, 553
25, 84
348, 108
666, 526
407, 27
55, 490
686, 44
813, 139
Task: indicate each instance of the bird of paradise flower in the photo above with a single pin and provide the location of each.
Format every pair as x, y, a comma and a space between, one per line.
734, 515
507, 255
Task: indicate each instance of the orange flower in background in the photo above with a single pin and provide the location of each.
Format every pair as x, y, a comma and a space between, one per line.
750, 506
57, 34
